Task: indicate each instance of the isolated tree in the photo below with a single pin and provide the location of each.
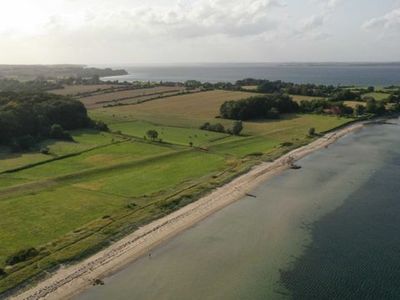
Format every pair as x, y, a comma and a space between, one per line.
56, 131
371, 106
237, 127
152, 134
359, 110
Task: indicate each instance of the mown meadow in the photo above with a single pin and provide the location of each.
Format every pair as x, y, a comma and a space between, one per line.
86, 193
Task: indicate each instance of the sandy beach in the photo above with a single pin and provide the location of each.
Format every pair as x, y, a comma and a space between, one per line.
71, 280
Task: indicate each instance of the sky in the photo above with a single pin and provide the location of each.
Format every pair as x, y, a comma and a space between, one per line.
187, 31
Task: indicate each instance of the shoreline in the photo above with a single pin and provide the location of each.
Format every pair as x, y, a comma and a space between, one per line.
73, 279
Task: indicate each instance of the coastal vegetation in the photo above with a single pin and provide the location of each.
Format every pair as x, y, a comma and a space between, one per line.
87, 183
32, 72
28, 117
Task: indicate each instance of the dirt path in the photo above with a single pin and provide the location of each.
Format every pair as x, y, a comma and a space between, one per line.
70, 280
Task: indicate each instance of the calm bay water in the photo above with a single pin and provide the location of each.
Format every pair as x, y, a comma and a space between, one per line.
329, 230
339, 73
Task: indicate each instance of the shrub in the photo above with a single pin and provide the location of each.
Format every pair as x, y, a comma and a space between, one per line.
132, 205
45, 150
311, 131
237, 127
213, 127
57, 132
21, 256
100, 125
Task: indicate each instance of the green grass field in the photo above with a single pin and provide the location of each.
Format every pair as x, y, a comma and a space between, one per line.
114, 182
174, 135
378, 96
83, 140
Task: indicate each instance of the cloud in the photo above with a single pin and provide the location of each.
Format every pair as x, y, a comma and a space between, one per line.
327, 5
388, 22
333, 3
209, 17
312, 23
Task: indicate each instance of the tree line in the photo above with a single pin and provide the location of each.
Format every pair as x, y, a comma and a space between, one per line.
26, 118
272, 106
38, 85
258, 107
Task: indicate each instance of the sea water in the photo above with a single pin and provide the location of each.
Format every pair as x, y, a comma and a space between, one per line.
329, 230
381, 74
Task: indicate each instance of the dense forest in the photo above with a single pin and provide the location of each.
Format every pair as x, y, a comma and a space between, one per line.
259, 107
28, 117
304, 89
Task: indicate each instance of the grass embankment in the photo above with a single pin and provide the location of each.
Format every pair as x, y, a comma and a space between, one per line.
71, 207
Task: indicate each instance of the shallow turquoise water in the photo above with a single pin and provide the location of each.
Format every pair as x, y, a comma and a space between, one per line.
267, 247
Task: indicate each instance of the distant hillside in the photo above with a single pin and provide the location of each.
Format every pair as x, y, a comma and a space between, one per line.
29, 72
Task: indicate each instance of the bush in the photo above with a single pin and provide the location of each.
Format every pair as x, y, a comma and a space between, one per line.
100, 125
237, 127
45, 150
213, 127
57, 132
311, 131
21, 256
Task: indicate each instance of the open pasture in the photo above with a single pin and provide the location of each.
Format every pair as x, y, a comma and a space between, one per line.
174, 135
82, 199
83, 140
189, 110
250, 87
353, 104
116, 155
102, 99
378, 96
76, 90
299, 98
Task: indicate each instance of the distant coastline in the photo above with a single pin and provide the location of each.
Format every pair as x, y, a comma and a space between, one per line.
341, 73
31, 72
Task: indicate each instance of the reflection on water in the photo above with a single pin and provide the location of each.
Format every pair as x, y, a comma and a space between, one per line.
239, 252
